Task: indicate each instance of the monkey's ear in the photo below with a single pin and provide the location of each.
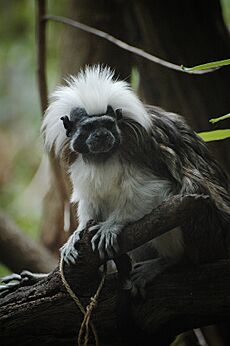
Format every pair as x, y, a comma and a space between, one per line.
119, 114
67, 124
110, 112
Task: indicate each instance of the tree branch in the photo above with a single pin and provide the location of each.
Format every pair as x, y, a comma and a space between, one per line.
124, 45
19, 252
182, 299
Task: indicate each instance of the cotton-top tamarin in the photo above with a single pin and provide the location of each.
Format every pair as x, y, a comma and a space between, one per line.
127, 159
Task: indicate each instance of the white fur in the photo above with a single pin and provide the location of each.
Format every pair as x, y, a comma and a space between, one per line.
118, 193
109, 192
93, 89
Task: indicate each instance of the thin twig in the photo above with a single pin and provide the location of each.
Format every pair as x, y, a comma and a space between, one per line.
41, 54
43, 93
122, 44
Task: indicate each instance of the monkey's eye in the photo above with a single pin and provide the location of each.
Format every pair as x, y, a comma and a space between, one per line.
109, 124
119, 114
88, 127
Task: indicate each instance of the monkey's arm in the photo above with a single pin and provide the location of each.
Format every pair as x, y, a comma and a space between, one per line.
69, 250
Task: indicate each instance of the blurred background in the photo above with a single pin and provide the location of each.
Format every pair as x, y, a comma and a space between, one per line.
183, 32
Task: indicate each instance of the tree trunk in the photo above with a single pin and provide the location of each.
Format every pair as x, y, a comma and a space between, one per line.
184, 32
187, 33
80, 48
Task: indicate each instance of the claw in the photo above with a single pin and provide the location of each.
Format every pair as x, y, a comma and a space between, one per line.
14, 281
11, 277
95, 228
106, 239
144, 272
69, 251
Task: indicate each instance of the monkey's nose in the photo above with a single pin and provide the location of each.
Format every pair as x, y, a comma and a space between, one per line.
101, 133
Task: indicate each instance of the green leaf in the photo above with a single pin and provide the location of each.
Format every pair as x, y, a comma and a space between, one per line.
223, 117
214, 135
209, 65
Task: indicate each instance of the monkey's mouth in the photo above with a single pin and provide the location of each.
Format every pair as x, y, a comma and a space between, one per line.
101, 145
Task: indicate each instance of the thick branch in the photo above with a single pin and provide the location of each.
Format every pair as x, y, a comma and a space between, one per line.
174, 212
18, 252
183, 299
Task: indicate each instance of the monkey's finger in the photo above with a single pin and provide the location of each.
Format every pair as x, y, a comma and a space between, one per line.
115, 243
10, 287
138, 292
3, 288
101, 246
68, 257
4, 291
94, 241
134, 291
126, 284
68, 260
26, 274
135, 276
112, 245
78, 236
95, 228
137, 266
11, 277
109, 246
73, 257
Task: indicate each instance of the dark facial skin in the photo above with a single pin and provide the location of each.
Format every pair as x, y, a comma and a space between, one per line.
95, 136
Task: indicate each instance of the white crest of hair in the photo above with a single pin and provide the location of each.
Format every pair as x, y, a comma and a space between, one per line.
94, 88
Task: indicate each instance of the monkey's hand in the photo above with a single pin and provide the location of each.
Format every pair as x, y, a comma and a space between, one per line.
106, 238
69, 251
144, 273
12, 282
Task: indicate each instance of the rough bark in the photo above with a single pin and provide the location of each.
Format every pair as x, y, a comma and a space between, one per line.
178, 300
19, 252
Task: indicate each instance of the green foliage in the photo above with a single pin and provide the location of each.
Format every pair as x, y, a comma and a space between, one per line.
207, 66
223, 117
135, 79
215, 135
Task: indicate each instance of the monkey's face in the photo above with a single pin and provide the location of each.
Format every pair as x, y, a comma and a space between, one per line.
95, 135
